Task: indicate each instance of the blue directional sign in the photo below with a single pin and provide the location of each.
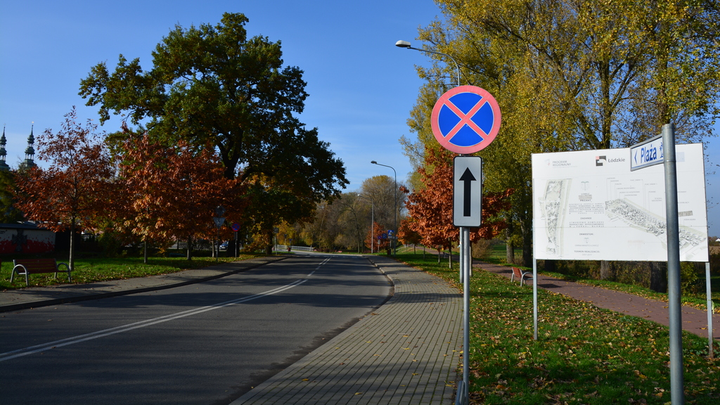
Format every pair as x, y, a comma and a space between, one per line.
647, 153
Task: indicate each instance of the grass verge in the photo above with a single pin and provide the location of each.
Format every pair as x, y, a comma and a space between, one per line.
91, 270
583, 355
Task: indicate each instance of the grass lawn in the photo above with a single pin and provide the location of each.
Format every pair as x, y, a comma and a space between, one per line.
90, 270
697, 300
583, 355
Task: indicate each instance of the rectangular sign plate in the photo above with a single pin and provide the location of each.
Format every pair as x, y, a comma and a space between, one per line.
467, 191
646, 153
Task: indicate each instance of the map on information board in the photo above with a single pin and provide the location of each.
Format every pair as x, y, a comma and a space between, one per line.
588, 205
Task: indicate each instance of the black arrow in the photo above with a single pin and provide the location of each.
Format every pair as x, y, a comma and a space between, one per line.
467, 178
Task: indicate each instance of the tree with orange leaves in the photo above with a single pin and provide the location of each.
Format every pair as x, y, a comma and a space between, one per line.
379, 239
170, 191
72, 192
431, 209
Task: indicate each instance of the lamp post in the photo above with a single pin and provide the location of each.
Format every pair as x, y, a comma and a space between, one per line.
394, 244
406, 45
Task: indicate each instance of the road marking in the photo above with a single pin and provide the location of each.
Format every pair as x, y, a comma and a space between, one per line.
318, 267
148, 322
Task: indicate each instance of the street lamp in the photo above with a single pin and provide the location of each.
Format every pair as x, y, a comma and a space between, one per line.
406, 45
395, 206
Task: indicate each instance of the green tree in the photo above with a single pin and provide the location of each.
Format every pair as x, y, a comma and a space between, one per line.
218, 89
381, 196
8, 212
577, 75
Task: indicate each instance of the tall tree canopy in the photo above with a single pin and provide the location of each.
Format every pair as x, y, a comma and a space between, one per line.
215, 88
575, 75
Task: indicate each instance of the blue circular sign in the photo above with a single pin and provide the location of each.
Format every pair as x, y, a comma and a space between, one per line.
466, 119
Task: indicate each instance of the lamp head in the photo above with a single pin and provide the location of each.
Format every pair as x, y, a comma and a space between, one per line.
374, 162
403, 44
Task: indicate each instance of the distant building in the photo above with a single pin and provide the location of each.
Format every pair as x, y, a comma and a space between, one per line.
25, 238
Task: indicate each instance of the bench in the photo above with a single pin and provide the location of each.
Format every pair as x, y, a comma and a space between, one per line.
521, 275
32, 266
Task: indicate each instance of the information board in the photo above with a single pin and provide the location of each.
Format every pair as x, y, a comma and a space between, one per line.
589, 205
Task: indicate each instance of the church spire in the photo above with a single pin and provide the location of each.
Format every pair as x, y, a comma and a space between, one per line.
3, 152
30, 151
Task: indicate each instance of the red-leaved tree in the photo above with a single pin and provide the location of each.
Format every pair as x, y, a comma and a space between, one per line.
431, 209
170, 191
73, 192
377, 240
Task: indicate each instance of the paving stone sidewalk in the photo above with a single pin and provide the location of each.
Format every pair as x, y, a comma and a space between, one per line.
406, 352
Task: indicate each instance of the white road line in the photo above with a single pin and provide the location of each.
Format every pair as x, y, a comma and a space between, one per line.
141, 324
318, 267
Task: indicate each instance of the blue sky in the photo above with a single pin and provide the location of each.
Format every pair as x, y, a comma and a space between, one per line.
361, 86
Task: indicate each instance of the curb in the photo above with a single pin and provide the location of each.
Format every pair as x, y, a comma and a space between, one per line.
103, 295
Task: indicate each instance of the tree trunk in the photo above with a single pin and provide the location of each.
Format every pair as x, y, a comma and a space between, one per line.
658, 277
145, 252
509, 251
607, 270
509, 247
269, 239
71, 253
189, 248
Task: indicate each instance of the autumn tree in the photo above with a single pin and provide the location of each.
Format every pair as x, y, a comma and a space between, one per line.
217, 88
431, 209
379, 238
169, 191
353, 220
574, 76
406, 234
71, 194
383, 196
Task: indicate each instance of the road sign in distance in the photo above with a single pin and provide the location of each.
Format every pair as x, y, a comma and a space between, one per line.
467, 191
466, 119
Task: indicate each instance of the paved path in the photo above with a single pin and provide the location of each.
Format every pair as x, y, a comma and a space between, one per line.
406, 352
694, 320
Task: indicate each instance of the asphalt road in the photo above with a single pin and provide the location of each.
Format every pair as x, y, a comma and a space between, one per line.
205, 343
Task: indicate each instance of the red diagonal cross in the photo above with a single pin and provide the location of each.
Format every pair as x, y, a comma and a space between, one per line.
465, 118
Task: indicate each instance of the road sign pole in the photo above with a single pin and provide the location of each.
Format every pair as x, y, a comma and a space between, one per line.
466, 120
708, 293
465, 267
677, 395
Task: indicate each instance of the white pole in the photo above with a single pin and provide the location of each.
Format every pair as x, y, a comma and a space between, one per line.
708, 293
535, 300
